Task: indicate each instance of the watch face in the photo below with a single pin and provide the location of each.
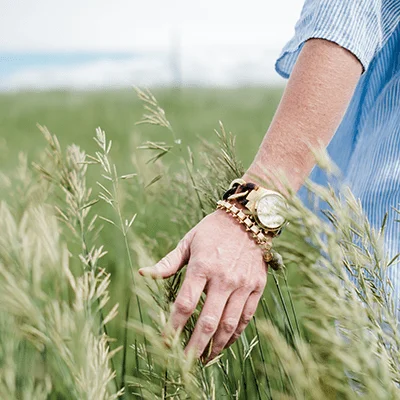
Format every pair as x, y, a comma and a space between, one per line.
268, 211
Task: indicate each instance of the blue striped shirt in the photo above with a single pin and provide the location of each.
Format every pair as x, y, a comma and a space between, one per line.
366, 146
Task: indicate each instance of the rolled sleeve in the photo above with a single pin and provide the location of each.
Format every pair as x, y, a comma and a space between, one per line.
353, 24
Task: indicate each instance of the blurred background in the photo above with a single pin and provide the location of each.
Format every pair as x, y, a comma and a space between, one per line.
71, 66
96, 43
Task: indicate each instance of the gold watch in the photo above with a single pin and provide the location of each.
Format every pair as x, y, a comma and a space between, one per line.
266, 206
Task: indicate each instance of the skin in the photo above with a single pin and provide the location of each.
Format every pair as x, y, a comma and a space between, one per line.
222, 259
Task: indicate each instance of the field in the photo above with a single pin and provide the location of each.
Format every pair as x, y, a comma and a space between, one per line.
74, 117
293, 351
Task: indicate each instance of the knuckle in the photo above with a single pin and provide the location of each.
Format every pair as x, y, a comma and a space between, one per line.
229, 325
208, 324
246, 318
263, 277
229, 281
165, 263
236, 336
184, 306
247, 283
226, 281
183, 244
260, 285
202, 265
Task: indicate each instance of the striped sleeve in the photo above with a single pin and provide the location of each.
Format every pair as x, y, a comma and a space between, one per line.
360, 26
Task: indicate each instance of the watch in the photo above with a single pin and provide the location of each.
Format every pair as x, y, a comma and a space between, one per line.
264, 205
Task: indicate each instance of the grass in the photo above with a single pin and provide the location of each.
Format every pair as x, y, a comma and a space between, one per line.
316, 333
76, 115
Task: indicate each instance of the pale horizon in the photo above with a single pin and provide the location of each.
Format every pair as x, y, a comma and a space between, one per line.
214, 43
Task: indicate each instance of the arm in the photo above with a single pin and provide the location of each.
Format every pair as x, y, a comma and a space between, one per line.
312, 107
222, 260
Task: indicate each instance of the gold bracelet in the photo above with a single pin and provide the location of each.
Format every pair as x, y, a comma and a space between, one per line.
262, 239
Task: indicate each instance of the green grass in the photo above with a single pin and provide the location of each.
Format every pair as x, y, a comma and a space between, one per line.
296, 350
74, 116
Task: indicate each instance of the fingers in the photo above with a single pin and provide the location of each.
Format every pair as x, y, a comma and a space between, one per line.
208, 321
249, 310
187, 300
172, 262
229, 321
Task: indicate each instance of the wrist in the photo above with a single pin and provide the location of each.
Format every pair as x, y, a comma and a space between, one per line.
259, 211
226, 221
248, 200
268, 181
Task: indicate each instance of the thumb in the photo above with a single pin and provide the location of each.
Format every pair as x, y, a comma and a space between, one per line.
172, 262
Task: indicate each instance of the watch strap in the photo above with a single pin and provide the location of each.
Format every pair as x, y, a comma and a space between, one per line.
238, 190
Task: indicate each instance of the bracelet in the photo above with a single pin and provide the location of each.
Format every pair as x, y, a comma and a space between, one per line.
263, 240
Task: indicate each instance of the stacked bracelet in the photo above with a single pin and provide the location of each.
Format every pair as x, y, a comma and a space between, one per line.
262, 239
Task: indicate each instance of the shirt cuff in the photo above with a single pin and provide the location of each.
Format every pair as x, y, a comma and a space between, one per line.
352, 24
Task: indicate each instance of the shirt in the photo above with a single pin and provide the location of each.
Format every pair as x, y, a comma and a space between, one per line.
366, 146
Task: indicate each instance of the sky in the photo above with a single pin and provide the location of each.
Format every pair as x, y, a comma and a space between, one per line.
216, 31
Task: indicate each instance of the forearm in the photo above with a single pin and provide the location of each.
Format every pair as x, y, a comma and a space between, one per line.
312, 107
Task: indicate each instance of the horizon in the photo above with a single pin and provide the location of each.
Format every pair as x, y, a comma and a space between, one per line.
94, 44
231, 67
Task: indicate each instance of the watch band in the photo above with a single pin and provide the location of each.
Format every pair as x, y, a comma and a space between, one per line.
243, 193
238, 190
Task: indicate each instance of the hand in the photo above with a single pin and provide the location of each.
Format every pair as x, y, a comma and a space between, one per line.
224, 262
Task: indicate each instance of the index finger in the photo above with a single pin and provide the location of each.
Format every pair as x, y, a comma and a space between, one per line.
187, 300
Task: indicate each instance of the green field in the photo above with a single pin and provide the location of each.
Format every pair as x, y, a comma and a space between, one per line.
193, 113
74, 116
53, 288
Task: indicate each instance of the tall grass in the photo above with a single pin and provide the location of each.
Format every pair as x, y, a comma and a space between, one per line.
334, 336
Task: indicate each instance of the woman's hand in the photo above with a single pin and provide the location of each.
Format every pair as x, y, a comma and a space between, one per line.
224, 262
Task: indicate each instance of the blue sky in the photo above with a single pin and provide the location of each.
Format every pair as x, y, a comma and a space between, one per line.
11, 62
